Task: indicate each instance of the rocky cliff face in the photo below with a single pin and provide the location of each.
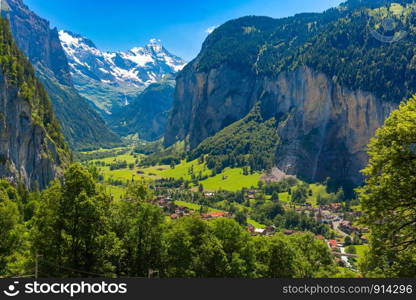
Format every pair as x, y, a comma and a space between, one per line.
32, 148
206, 102
81, 125
26, 152
326, 79
35, 38
327, 126
324, 127
146, 115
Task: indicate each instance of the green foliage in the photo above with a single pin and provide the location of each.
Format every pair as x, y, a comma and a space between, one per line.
100, 154
78, 231
10, 218
316, 256
293, 220
387, 198
19, 73
268, 211
146, 115
348, 50
82, 126
337, 42
139, 226
147, 148
71, 228
277, 257
351, 249
169, 156
300, 194
251, 142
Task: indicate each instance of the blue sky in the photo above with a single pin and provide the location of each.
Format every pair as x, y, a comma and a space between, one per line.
180, 24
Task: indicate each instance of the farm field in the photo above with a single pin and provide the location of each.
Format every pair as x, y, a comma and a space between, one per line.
195, 207
361, 249
317, 189
231, 179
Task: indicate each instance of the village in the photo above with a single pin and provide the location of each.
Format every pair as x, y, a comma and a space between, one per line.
332, 214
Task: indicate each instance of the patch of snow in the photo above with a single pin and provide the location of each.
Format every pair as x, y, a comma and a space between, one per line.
211, 29
139, 66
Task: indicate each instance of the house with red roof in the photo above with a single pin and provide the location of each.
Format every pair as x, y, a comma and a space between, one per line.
215, 215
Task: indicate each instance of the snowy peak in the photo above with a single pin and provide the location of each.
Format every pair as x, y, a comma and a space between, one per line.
155, 52
106, 78
74, 40
155, 45
139, 66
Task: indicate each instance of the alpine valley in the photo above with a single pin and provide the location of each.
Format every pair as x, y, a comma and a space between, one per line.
284, 149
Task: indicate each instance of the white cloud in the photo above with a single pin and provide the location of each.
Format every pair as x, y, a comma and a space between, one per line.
209, 30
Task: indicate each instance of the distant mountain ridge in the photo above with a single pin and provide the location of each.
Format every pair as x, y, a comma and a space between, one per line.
111, 80
146, 115
81, 125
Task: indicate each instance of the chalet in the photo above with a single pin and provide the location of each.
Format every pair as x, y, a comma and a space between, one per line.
333, 245
182, 211
215, 215
251, 229
251, 194
347, 227
325, 216
269, 230
261, 231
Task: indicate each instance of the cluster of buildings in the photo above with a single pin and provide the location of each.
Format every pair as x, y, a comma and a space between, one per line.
178, 211
347, 227
214, 215
330, 214
167, 205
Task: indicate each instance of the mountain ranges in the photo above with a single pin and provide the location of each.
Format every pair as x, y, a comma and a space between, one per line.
111, 80
304, 94
81, 124
327, 81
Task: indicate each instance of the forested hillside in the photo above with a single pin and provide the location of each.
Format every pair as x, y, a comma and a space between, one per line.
251, 142
329, 76
147, 114
338, 42
32, 146
81, 125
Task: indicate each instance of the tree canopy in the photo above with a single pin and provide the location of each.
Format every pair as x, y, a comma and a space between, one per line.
388, 198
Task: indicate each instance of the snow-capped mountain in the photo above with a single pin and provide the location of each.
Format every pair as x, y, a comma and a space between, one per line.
111, 79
